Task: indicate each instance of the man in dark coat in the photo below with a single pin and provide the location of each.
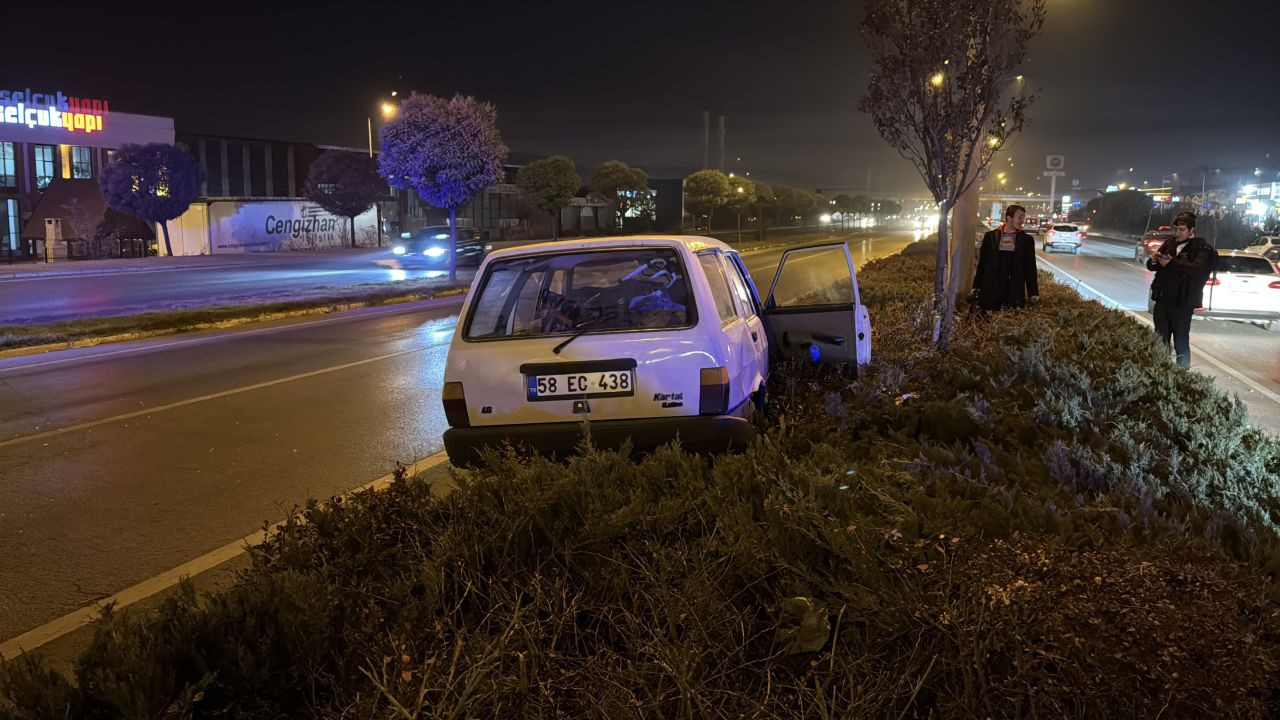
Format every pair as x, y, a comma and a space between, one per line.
1006, 264
1182, 266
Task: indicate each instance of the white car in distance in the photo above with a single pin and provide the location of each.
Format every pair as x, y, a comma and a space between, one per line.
649, 338
1246, 286
1063, 235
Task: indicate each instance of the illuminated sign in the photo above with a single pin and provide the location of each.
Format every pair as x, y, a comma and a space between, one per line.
36, 109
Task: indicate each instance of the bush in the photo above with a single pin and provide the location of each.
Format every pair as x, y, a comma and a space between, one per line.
1048, 519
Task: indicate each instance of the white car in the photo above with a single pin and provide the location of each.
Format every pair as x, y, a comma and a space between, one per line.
1063, 235
1263, 244
649, 338
1246, 286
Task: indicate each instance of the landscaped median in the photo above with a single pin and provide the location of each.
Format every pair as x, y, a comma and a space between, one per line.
1049, 519
24, 339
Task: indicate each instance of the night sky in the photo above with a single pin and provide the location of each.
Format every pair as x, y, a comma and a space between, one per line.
1158, 85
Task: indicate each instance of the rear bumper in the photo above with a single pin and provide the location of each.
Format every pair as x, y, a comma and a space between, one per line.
1254, 315
698, 433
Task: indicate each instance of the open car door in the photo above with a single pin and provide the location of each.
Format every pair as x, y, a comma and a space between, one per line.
813, 310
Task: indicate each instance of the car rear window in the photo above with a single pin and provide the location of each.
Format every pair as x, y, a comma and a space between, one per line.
1065, 228
1248, 265
589, 291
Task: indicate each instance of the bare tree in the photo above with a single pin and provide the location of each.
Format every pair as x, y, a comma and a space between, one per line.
943, 93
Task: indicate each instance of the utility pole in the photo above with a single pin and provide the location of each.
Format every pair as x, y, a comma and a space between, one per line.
721, 142
706, 137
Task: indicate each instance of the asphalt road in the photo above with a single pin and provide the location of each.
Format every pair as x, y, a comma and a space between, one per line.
1105, 270
219, 280
123, 461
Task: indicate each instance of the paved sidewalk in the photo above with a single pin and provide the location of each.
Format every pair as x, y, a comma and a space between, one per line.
19, 270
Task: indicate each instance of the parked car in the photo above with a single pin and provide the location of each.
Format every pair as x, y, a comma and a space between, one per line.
429, 247
1274, 256
649, 338
1063, 235
1263, 244
1246, 286
1150, 243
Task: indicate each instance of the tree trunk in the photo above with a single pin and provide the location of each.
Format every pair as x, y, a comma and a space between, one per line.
168, 248
353, 231
453, 244
595, 211
555, 225
940, 272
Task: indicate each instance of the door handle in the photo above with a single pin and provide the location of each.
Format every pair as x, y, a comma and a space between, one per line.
829, 339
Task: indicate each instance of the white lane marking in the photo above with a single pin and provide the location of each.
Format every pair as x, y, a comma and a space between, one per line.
50, 631
404, 308
1200, 353
210, 396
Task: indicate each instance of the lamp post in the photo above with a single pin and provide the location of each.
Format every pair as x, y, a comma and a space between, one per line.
739, 216
387, 110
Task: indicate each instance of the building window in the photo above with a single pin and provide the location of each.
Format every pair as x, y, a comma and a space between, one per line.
8, 176
45, 166
9, 224
81, 163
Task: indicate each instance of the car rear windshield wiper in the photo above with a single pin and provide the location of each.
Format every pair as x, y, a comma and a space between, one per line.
584, 329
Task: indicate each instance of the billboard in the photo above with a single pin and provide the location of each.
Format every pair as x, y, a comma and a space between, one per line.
246, 226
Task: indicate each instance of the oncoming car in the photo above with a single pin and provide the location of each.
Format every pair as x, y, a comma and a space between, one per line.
429, 247
648, 338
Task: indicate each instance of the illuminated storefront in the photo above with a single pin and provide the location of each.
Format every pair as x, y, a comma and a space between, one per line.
50, 135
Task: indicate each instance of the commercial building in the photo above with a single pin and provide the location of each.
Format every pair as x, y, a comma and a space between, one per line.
48, 137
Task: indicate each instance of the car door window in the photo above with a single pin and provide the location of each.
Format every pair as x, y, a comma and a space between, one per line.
817, 276
746, 308
720, 291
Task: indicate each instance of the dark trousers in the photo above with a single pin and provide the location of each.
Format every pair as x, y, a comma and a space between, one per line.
1175, 321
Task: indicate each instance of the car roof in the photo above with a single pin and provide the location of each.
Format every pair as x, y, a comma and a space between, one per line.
692, 243
1243, 253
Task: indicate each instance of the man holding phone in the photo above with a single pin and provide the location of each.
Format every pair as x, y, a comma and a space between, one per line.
1182, 265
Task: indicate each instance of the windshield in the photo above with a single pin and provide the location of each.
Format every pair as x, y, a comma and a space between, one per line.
593, 291
1065, 228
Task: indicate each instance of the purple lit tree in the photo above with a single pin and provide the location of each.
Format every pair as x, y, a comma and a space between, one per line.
446, 151
345, 183
154, 183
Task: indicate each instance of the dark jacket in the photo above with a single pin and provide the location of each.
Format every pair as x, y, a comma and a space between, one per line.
1181, 282
1007, 286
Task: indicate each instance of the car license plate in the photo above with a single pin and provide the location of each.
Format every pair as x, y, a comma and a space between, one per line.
609, 383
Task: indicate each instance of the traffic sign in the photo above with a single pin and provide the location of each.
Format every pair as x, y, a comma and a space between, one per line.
1054, 173
1055, 162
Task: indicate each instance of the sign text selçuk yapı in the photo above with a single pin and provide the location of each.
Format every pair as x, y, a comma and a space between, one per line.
37, 109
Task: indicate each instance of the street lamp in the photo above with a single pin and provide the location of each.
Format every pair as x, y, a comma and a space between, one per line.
388, 110
740, 189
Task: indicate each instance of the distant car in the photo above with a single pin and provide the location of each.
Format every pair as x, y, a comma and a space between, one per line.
1263, 244
1150, 243
1246, 286
429, 247
648, 337
1274, 256
1063, 235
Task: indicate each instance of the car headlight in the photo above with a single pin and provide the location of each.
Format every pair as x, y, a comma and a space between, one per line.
398, 250
440, 236
434, 251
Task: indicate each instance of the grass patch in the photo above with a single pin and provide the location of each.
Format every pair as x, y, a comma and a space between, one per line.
1050, 519
162, 322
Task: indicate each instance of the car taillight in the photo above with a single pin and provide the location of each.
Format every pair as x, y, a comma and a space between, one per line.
1275, 285
714, 396
1081, 235
1212, 281
455, 405
1052, 233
